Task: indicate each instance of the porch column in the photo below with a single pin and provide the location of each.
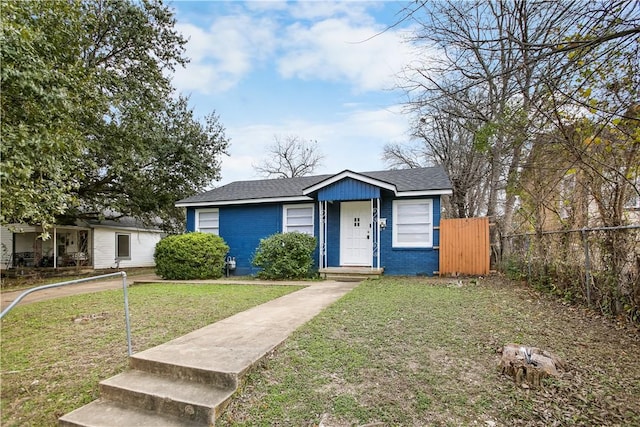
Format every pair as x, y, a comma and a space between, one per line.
322, 229
378, 231
375, 232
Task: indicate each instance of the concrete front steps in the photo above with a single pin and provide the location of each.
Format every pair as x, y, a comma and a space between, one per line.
350, 274
189, 381
160, 398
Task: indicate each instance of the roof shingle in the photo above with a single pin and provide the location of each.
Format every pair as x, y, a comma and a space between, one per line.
417, 179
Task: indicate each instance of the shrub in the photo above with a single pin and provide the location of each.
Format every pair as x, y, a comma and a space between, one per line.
285, 256
190, 256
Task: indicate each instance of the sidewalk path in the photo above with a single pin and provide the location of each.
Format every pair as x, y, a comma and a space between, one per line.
189, 380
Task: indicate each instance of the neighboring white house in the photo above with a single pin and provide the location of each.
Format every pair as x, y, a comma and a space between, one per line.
95, 244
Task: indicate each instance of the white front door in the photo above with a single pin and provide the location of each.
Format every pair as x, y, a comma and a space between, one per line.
355, 234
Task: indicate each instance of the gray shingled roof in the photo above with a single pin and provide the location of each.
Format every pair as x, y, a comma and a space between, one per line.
418, 179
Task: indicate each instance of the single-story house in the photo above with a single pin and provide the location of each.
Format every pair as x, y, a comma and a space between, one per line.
384, 220
98, 244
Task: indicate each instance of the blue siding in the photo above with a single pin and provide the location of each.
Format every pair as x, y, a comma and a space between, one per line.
333, 235
349, 189
396, 261
191, 219
242, 227
408, 261
436, 223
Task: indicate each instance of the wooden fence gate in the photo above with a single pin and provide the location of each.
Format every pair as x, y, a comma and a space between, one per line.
464, 246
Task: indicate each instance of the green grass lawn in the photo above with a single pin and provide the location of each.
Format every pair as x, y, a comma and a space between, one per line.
55, 352
397, 351
417, 352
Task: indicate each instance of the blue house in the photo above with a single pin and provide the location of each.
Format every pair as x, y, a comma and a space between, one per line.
383, 221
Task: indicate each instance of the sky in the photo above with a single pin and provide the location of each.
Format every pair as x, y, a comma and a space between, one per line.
316, 70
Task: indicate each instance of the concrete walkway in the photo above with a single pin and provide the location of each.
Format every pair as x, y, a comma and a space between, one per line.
189, 380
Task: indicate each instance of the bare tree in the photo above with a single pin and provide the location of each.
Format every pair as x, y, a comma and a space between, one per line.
595, 113
553, 88
445, 138
290, 157
483, 75
520, 68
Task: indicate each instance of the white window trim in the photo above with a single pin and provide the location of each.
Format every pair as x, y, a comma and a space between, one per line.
285, 208
424, 244
198, 211
123, 257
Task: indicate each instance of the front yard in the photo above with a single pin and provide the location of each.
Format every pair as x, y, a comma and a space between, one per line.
397, 351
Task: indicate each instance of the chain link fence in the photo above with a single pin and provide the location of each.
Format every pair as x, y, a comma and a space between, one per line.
598, 267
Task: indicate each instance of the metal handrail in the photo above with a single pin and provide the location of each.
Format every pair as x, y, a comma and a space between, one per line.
73, 282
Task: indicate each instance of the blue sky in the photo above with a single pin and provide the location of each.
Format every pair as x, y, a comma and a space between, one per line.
308, 69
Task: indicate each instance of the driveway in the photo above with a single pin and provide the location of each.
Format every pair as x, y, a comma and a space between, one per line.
98, 285
80, 288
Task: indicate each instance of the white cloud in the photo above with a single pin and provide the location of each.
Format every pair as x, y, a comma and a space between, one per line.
224, 53
337, 50
328, 41
356, 11
275, 63
267, 5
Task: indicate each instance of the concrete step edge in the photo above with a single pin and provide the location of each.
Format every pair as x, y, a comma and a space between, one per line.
164, 395
102, 413
222, 380
350, 277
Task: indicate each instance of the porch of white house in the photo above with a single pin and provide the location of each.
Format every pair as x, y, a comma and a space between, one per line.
27, 247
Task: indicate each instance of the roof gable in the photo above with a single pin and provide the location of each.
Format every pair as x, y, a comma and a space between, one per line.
348, 189
346, 174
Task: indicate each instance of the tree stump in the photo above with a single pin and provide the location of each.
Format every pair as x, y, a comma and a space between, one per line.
529, 365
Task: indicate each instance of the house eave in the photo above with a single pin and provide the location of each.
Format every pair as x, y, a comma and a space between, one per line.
21, 228
244, 201
418, 193
349, 174
127, 228
294, 199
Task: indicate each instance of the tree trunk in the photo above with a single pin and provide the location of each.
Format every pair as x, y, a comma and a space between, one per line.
528, 366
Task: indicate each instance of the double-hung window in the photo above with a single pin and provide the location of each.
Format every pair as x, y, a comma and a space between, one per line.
298, 218
413, 223
208, 221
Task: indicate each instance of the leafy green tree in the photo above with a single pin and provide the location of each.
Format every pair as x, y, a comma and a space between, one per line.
43, 85
92, 126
